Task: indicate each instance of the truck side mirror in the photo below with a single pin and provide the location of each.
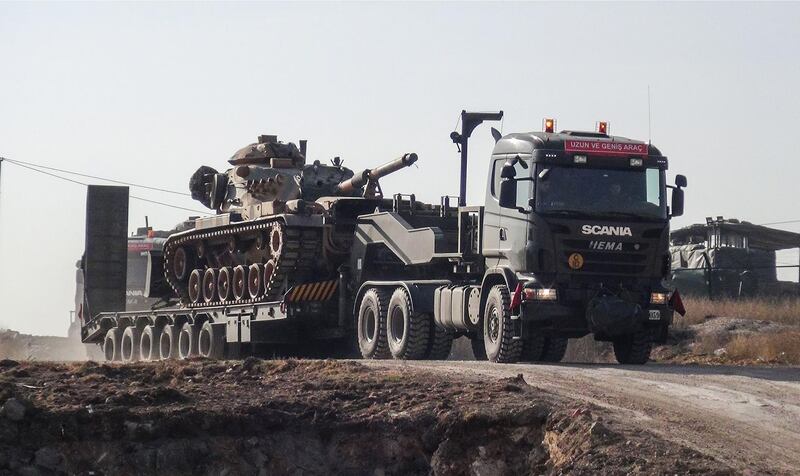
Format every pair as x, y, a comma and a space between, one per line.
680, 180
676, 209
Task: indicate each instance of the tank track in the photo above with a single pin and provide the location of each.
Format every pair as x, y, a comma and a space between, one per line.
299, 250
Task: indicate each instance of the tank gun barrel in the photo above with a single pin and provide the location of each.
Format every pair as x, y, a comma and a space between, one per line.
369, 177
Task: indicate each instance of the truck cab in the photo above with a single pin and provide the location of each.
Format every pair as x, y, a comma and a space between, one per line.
577, 225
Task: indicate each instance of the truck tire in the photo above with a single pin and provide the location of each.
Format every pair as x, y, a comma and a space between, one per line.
211, 342
371, 325
112, 345
554, 349
478, 347
441, 343
187, 341
633, 349
533, 348
498, 335
407, 332
148, 347
131, 342
168, 342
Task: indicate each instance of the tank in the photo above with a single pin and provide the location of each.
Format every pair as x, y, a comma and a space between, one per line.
273, 224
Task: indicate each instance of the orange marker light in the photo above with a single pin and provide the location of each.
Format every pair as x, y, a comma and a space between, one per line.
602, 127
549, 125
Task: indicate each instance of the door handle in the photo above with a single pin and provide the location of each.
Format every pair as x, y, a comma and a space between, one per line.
503, 234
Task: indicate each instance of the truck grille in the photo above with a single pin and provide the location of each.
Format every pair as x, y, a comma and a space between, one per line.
632, 259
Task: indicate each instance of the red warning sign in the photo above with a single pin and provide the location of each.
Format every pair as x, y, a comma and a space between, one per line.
605, 147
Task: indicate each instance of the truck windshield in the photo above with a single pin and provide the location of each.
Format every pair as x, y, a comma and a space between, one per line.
599, 192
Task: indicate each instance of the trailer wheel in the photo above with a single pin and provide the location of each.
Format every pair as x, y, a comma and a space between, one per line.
554, 349
211, 342
534, 348
407, 332
168, 342
633, 348
371, 325
131, 341
498, 335
151, 339
187, 341
112, 345
441, 343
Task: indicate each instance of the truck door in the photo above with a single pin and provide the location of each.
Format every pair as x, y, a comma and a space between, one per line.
514, 224
493, 235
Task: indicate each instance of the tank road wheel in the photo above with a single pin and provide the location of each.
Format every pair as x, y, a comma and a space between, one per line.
224, 290
195, 285
498, 334
210, 285
112, 345
181, 265
168, 342
239, 283
533, 348
407, 332
633, 348
269, 270
148, 348
187, 341
211, 342
554, 349
262, 241
372, 324
131, 342
276, 240
255, 287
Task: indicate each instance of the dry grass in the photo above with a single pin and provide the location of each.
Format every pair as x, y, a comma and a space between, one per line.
781, 348
784, 312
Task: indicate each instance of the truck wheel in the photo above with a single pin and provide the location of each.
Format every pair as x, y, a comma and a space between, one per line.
478, 347
211, 342
148, 348
187, 341
112, 345
441, 343
498, 334
633, 348
131, 341
554, 349
371, 325
534, 348
407, 332
168, 342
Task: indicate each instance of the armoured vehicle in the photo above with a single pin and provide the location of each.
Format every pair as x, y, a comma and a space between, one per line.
572, 239
728, 258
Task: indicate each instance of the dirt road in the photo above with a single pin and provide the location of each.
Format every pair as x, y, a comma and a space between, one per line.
746, 417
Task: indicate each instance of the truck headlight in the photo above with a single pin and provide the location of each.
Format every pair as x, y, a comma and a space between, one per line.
535, 294
658, 298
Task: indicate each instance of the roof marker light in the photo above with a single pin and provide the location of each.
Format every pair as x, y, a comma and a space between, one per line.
603, 127
549, 125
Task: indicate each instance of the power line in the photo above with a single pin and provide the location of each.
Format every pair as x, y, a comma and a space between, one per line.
781, 222
20, 164
45, 167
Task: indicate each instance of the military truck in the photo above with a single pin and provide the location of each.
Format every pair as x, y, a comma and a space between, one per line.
732, 259
572, 239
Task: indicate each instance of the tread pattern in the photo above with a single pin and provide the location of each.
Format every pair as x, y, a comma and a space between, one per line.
510, 348
381, 350
554, 349
534, 348
478, 348
634, 348
441, 343
417, 328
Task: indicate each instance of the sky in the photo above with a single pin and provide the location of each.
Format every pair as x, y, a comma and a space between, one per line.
148, 92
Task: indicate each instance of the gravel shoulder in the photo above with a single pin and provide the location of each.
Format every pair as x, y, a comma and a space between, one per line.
745, 417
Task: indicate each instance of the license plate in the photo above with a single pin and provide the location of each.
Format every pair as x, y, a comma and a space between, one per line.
655, 315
